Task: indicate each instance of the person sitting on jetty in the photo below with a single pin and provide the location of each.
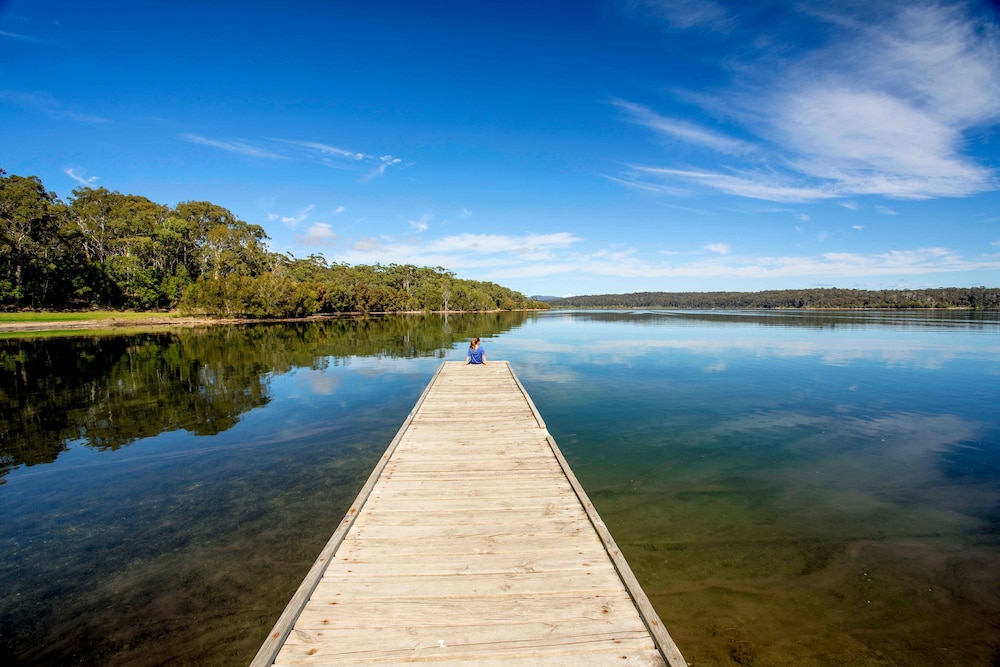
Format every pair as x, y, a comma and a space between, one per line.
476, 354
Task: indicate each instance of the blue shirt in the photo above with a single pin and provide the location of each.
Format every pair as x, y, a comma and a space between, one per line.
476, 355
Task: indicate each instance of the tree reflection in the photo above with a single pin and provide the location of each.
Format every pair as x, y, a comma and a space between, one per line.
110, 391
806, 319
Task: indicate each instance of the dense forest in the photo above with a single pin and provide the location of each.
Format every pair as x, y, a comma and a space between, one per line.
105, 249
976, 298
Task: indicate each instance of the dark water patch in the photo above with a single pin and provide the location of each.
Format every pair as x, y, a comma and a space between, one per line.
973, 460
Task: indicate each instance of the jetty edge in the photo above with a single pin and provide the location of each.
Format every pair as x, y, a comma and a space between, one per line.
471, 542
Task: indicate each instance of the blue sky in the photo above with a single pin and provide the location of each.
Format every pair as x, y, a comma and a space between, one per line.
556, 148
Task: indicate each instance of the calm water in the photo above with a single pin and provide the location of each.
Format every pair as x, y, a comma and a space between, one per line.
790, 488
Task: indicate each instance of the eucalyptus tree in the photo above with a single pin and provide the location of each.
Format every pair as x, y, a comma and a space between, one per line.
29, 241
119, 237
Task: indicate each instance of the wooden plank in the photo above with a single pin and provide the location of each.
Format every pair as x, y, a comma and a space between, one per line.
587, 650
338, 584
532, 561
472, 542
285, 623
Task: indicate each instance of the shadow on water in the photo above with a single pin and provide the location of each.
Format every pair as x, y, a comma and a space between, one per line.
165, 492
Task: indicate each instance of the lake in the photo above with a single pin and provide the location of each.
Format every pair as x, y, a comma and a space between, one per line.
790, 488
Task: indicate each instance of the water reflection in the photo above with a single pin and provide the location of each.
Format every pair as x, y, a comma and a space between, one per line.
719, 340
107, 392
809, 493
817, 488
809, 319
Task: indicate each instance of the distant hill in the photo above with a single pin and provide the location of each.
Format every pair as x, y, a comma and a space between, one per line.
546, 299
975, 298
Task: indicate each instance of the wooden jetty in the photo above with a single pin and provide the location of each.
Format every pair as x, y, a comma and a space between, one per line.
471, 543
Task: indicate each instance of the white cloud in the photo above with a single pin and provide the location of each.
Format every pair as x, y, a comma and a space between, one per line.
682, 14
884, 210
294, 220
827, 266
384, 162
881, 108
319, 234
886, 111
750, 184
342, 158
238, 147
558, 255
636, 183
18, 36
325, 154
367, 245
326, 149
48, 105
857, 227
422, 224
804, 217
528, 245
486, 253
338, 210
79, 178
684, 131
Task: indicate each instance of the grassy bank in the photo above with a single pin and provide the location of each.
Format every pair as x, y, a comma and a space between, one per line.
81, 316
28, 324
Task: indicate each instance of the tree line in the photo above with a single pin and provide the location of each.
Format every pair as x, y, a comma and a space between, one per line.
975, 298
110, 250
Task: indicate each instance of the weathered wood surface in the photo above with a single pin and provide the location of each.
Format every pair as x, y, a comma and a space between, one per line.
471, 543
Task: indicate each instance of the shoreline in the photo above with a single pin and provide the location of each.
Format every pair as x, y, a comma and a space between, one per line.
166, 321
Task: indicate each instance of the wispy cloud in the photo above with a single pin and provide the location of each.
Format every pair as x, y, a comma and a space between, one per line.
753, 184
720, 248
80, 178
293, 220
683, 14
880, 108
884, 210
238, 147
325, 149
422, 224
384, 162
684, 131
342, 158
46, 104
21, 38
